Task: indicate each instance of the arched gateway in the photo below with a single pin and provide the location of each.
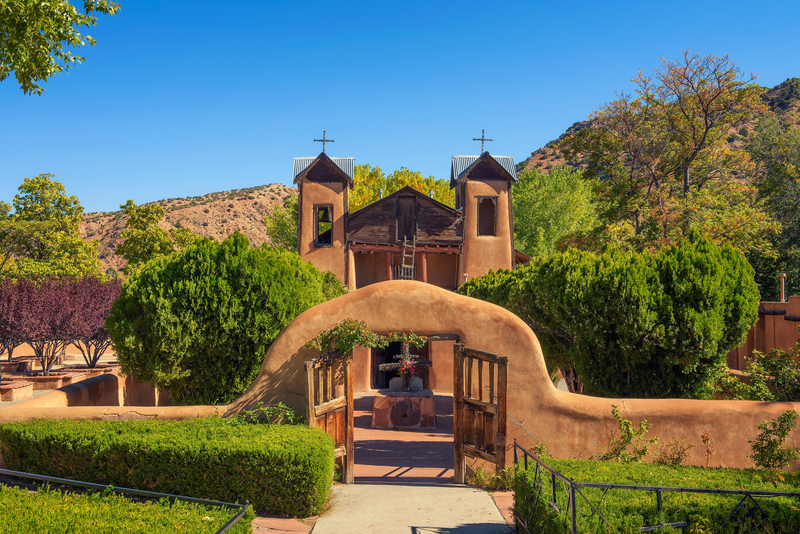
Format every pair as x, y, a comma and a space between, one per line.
570, 425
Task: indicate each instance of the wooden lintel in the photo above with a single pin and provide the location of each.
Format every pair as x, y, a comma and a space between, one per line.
398, 249
331, 405
443, 337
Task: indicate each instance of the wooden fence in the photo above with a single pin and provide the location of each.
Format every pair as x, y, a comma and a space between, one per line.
776, 328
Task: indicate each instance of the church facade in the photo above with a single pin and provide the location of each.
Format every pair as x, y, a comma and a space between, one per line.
407, 235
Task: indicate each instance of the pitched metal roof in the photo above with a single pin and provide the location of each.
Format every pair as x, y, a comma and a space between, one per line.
462, 163
346, 164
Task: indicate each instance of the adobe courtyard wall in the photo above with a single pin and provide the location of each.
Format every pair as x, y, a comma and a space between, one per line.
570, 425
103, 397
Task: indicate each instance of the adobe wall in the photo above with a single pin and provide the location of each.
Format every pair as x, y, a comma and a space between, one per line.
570, 425
103, 396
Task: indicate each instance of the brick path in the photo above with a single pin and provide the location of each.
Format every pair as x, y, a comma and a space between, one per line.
404, 456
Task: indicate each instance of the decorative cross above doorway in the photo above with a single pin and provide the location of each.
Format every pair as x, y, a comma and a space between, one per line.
482, 139
323, 141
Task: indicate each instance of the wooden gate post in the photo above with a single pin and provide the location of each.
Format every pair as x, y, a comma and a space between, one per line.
502, 383
348, 476
459, 461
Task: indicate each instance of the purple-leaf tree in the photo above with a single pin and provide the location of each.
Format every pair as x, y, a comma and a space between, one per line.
88, 326
46, 316
9, 315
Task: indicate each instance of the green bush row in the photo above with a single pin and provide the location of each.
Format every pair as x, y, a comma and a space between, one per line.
280, 469
628, 510
53, 511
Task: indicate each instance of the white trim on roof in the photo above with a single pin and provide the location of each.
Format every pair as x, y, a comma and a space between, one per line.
346, 164
462, 163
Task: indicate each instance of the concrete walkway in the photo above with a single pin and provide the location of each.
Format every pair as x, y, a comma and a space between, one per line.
403, 485
415, 509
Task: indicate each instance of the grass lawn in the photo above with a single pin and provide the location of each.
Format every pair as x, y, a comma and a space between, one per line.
51, 511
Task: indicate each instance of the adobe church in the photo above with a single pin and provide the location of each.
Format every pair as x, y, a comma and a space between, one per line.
407, 235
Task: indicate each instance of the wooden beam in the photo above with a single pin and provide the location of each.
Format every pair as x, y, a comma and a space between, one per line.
469, 450
349, 471
443, 337
389, 265
481, 355
480, 405
502, 398
312, 417
330, 406
424, 268
459, 460
397, 249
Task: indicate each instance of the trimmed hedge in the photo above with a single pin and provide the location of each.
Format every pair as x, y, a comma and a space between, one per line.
629, 510
54, 511
280, 469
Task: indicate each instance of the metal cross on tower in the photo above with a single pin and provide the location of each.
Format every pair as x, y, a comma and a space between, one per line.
482, 138
323, 141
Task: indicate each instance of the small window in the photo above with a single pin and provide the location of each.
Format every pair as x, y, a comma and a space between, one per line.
323, 222
487, 215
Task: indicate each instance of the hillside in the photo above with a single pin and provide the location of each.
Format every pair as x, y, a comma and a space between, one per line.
215, 215
783, 99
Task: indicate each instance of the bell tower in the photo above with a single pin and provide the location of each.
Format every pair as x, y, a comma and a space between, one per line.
483, 196
322, 210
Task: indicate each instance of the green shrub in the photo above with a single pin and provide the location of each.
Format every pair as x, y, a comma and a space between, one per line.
198, 323
499, 481
672, 453
280, 469
774, 376
627, 511
769, 448
54, 511
631, 324
632, 445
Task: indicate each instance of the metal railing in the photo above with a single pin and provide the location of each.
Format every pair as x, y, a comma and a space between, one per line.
574, 489
140, 493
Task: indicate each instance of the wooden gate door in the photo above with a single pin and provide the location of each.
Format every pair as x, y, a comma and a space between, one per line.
479, 408
330, 403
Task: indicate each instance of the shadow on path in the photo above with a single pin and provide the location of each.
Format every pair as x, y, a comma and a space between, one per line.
403, 456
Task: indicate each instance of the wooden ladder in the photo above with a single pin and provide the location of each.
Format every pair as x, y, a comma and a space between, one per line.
406, 269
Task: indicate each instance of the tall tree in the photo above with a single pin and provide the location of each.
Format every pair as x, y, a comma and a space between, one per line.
37, 37
628, 324
775, 148
41, 237
143, 238
550, 206
661, 163
281, 224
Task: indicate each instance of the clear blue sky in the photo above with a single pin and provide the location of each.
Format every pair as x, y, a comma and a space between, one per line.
182, 98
